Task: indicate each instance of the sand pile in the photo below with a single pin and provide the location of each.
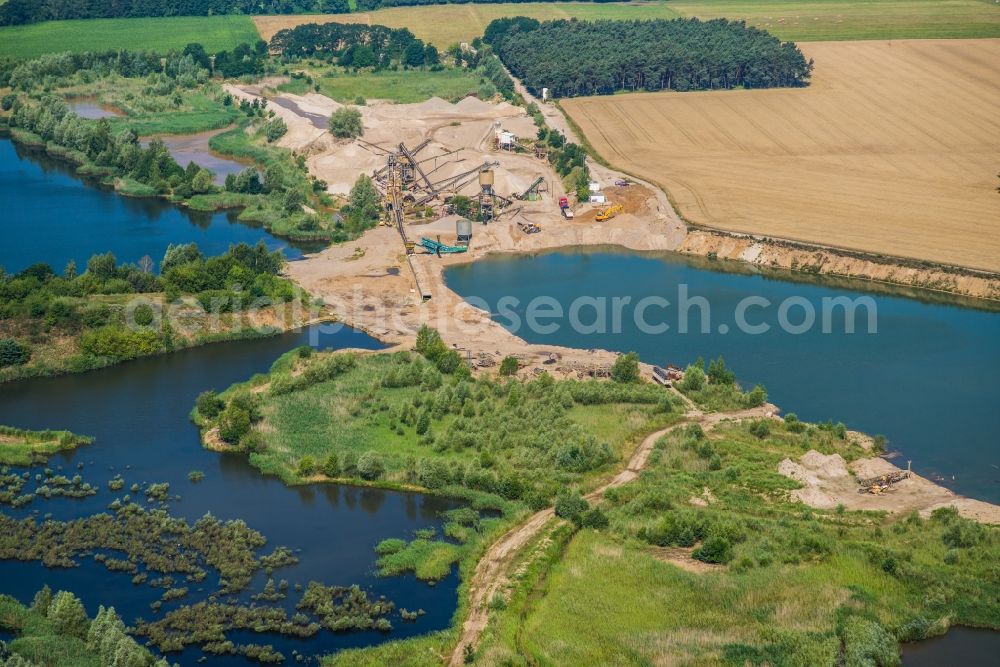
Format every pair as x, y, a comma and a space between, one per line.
827, 481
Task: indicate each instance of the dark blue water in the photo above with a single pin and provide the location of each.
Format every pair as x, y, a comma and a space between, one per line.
138, 414
929, 379
960, 646
49, 214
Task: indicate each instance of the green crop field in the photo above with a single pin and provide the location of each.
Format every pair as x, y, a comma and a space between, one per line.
828, 20
400, 87
216, 33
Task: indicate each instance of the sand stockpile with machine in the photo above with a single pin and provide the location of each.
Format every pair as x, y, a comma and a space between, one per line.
452, 139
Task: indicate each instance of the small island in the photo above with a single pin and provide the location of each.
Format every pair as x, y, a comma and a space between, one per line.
20, 447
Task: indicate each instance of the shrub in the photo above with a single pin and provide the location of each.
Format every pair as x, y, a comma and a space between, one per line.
570, 506
370, 466
143, 315
866, 643
963, 533
677, 528
423, 423
307, 466
119, 344
793, 424
250, 403
625, 370
714, 550
719, 374
13, 353
694, 379
498, 602
755, 398
275, 129
42, 600
234, 423
508, 366
594, 518
760, 429
68, 616
331, 466
429, 343
209, 405
432, 473
449, 362
345, 123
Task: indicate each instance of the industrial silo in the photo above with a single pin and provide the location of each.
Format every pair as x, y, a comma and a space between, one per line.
463, 228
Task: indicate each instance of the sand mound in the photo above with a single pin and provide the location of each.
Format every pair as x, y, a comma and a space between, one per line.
473, 105
827, 482
815, 468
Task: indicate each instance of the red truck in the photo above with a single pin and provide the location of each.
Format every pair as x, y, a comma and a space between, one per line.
564, 207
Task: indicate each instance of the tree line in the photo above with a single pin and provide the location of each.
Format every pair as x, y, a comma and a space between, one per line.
567, 56
186, 67
18, 12
354, 45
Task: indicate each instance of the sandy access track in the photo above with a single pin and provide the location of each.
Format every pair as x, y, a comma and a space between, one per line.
893, 149
493, 571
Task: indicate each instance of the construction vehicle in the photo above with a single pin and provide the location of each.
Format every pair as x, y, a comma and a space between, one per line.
567, 212
439, 248
529, 227
610, 212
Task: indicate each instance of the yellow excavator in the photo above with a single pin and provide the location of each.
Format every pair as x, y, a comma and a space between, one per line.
610, 212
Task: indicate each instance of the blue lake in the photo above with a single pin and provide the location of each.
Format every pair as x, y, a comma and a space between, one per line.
929, 379
52, 215
138, 413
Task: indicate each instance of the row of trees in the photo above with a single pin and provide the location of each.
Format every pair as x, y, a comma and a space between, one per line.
354, 45
17, 12
571, 57
51, 120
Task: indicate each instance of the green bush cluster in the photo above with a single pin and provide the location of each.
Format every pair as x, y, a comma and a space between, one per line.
108, 333
718, 390
13, 353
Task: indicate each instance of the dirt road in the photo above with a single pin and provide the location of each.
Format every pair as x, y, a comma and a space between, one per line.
491, 573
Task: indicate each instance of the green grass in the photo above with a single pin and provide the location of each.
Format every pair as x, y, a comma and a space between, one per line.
796, 582
20, 447
829, 20
216, 33
355, 413
402, 87
427, 559
200, 111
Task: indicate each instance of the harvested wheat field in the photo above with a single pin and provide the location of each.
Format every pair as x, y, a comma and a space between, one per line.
444, 25
893, 149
